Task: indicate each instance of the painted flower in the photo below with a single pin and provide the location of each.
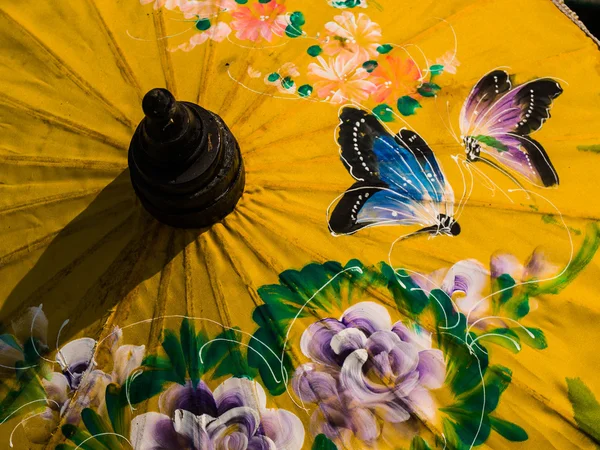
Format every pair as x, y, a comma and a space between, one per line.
365, 371
449, 61
259, 21
234, 416
168, 4
355, 35
217, 33
340, 79
395, 77
206, 8
469, 283
284, 78
79, 376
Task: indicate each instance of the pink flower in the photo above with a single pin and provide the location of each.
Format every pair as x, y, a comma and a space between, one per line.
259, 21
206, 8
217, 33
394, 78
351, 34
340, 79
449, 61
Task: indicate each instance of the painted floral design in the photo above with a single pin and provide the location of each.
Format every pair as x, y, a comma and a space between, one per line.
205, 8
352, 34
283, 79
340, 79
395, 77
449, 62
233, 416
469, 283
260, 21
79, 376
217, 33
366, 371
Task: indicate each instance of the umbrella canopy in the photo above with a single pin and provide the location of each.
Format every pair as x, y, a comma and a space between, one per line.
280, 326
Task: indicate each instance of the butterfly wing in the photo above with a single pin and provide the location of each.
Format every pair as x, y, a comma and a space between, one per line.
398, 182
502, 126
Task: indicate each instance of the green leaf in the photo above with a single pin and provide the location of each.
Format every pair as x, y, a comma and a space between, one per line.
293, 31
297, 19
241, 2
491, 142
314, 50
322, 442
203, 24
305, 90
157, 362
117, 413
429, 89
496, 380
79, 436
504, 337
190, 349
586, 409
287, 83
537, 341
98, 427
385, 48
584, 256
370, 65
407, 105
174, 351
504, 283
406, 292
436, 69
384, 113
508, 430
273, 77
146, 385
418, 443
266, 348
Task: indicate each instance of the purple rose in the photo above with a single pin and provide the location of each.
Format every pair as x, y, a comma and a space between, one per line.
365, 367
234, 416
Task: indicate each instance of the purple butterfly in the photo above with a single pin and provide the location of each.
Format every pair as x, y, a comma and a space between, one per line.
497, 119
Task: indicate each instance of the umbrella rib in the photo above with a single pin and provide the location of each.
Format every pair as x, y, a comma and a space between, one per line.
165, 56
161, 298
53, 199
252, 290
63, 123
326, 129
28, 248
151, 235
124, 67
220, 303
70, 163
187, 270
72, 75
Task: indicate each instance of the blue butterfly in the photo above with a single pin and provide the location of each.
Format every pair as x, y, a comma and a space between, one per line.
399, 180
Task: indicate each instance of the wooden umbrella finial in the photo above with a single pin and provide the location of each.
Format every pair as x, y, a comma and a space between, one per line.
185, 164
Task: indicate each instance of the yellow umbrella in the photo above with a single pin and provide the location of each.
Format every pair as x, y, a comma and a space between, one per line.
268, 320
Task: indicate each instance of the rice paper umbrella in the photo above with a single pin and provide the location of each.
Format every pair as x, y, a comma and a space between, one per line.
205, 217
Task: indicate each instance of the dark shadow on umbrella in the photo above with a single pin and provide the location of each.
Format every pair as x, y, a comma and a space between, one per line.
95, 262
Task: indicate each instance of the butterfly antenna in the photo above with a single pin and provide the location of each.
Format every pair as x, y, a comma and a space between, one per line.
450, 122
448, 128
489, 183
504, 171
463, 198
404, 237
423, 73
